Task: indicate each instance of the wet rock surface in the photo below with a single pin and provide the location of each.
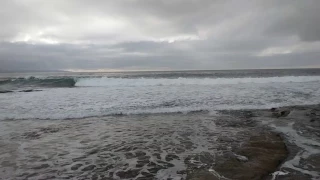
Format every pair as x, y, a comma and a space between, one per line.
255, 159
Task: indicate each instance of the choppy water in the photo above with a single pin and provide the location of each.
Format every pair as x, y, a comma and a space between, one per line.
146, 146
78, 95
154, 141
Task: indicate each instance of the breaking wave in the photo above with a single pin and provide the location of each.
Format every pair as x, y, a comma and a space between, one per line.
122, 82
39, 82
138, 82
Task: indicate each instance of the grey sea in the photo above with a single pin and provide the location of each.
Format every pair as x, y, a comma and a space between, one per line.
160, 125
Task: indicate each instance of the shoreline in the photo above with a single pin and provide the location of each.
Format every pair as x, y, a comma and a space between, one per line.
278, 144
299, 128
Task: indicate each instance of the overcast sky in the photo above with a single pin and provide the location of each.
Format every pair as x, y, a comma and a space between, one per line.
158, 34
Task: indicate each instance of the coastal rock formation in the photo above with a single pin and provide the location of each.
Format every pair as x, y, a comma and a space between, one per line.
254, 159
280, 112
264, 153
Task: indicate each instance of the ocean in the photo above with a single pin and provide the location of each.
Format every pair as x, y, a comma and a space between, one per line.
159, 125
67, 95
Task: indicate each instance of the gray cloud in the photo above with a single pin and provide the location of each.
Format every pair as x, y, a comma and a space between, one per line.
143, 34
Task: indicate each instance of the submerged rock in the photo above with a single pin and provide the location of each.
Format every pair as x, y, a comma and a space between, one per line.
263, 154
285, 113
273, 109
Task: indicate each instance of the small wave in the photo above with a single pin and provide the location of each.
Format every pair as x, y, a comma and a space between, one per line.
39, 82
113, 82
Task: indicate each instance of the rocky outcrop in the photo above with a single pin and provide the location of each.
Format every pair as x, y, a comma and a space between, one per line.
280, 112
254, 159
264, 153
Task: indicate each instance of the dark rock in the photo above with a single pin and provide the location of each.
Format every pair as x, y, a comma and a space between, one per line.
284, 113
273, 109
264, 152
276, 114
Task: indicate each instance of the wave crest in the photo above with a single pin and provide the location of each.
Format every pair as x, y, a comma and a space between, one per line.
39, 82
107, 82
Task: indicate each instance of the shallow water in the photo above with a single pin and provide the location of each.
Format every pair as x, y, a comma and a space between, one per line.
106, 147
136, 125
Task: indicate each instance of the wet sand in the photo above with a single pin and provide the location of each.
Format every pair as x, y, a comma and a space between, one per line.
280, 143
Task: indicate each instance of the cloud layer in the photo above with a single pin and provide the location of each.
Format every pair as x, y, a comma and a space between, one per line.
158, 35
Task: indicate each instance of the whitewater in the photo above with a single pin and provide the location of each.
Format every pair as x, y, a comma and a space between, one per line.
79, 97
159, 125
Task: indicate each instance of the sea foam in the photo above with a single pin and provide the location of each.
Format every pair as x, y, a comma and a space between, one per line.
102, 96
105, 81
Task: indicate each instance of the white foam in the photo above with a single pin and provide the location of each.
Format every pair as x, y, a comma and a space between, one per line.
125, 82
144, 96
278, 173
307, 145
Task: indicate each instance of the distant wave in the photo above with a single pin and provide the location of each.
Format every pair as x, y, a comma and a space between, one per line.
102, 96
107, 82
39, 82
143, 82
